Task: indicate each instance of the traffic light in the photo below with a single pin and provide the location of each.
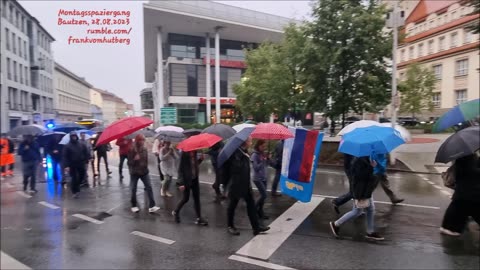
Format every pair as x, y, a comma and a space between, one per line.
50, 124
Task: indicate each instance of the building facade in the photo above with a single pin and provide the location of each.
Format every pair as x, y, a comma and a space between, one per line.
26, 79
72, 95
194, 54
112, 107
438, 37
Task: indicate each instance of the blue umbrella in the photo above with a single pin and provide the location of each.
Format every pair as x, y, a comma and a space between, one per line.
233, 144
463, 112
362, 142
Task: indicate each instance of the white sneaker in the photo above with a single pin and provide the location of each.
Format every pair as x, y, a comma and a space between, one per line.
168, 194
162, 192
153, 209
448, 232
135, 209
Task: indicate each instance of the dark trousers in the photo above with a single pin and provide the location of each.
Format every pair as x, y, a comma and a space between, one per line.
252, 213
55, 167
29, 171
195, 189
148, 188
92, 162
343, 199
218, 182
160, 168
120, 166
77, 173
276, 180
456, 216
382, 178
262, 188
100, 157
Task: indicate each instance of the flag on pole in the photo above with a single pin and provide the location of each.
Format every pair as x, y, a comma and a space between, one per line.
299, 163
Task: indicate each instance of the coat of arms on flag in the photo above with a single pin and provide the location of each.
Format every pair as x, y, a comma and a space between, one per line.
299, 163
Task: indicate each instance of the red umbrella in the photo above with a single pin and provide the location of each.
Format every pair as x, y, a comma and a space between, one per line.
204, 140
123, 127
271, 131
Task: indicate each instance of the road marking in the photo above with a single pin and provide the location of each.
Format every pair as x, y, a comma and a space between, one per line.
153, 237
430, 182
437, 187
390, 203
259, 263
21, 193
87, 218
9, 185
9, 262
49, 205
425, 178
446, 192
263, 246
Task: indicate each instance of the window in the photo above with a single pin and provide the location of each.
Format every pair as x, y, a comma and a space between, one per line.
19, 47
454, 15
9, 69
25, 50
10, 18
441, 44
4, 9
467, 36
461, 67
439, 21
26, 75
7, 38
410, 53
183, 51
431, 24
23, 25
437, 71
15, 71
453, 40
436, 99
461, 96
223, 82
420, 50
430, 46
21, 73
402, 56
14, 46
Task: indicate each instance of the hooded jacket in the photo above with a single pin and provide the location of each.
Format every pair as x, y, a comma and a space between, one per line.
75, 153
363, 181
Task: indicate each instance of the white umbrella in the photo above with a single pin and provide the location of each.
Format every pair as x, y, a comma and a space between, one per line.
358, 124
169, 128
403, 131
239, 127
66, 138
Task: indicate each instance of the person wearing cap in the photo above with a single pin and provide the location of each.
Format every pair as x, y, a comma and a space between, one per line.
31, 157
75, 156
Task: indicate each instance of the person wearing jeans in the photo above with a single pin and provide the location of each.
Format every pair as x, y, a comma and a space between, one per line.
380, 172
138, 167
31, 157
259, 163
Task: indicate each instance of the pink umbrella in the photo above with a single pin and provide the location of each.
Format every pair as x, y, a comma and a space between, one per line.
271, 131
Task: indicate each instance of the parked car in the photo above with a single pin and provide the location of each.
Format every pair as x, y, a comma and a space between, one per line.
408, 121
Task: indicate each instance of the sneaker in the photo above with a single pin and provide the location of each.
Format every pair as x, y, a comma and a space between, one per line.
33, 191
335, 207
162, 192
448, 232
201, 222
374, 236
176, 217
168, 194
233, 231
135, 209
261, 230
397, 201
153, 209
335, 229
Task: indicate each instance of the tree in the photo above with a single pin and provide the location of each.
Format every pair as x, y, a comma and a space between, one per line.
347, 58
475, 28
272, 81
417, 90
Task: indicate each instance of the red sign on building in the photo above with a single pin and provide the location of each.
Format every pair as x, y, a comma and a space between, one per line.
227, 63
230, 101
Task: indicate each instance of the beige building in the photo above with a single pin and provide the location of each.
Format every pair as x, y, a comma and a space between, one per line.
113, 108
437, 37
72, 95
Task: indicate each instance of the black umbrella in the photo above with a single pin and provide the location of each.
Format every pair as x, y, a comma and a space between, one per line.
44, 139
233, 144
461, 144
192, 132
170, 136
221, 130
145, 132
27, 130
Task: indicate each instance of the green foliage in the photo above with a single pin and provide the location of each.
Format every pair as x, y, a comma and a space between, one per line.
475, 28
417, 90
272, 82
346, 59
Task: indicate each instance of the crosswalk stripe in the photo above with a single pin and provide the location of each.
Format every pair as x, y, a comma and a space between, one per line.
259, 263
49, 205
87, 218
8, 262
153, 237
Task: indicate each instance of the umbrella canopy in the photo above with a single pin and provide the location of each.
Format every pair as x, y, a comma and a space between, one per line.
200, 141
122, 128
169, 128
145, 132
221, 130
192, 131
98, 129
171, 136
403, 131
68, 127
271, 131
239, 127
358, 124
66, 138
86, 131
362, 142
46, 138
27, 130
460, 144
233, 144
463, 112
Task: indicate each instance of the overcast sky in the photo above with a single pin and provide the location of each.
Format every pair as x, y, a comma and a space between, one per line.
115, 67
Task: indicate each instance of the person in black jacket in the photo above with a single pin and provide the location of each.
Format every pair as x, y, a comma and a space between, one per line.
466, 198
343, 199
213, 153
75, 156
31, 158
102, 151
363, 185
188, 172
276, 163
54, 150
237, 170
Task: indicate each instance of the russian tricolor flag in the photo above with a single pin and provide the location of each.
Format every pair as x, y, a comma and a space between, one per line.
300, 158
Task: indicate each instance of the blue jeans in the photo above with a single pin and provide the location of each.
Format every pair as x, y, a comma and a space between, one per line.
355, 212
262, 188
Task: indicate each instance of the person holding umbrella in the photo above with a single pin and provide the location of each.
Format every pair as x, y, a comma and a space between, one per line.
213, 153
102, 151
124, 145
157, 145
75, 156
168, 156
259, 162
31, 157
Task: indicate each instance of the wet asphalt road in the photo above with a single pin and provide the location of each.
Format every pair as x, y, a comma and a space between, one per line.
45, 237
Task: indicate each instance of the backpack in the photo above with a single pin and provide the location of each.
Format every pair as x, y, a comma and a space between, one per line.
449, 177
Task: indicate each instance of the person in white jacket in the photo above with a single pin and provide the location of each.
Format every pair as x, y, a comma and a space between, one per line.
157, 144
169, 158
